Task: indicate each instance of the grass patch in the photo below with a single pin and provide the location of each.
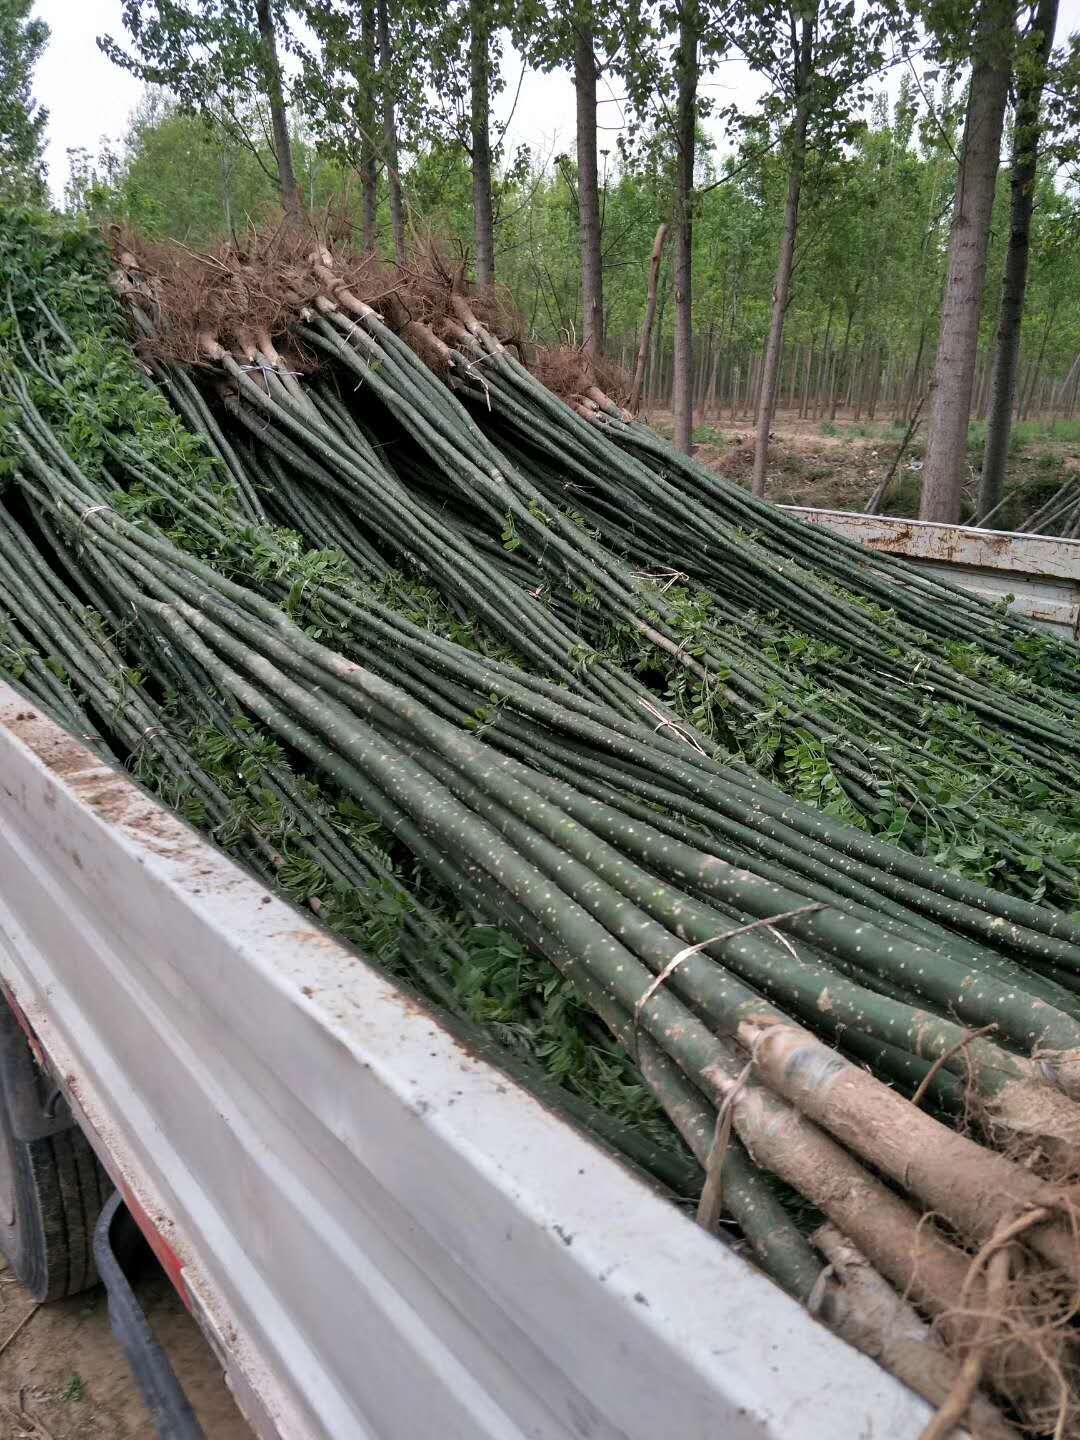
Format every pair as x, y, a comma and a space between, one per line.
709, 435
75, 1389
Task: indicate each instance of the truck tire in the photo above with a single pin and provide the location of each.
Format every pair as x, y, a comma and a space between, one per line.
52, 1186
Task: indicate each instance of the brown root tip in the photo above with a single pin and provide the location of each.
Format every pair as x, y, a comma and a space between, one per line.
435, 353
267, 348
244, 343
464, 311
862, 1307
210, 348
1064, 1068
1037, 1125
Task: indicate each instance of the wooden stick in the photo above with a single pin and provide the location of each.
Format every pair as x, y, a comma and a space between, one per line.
19, 1328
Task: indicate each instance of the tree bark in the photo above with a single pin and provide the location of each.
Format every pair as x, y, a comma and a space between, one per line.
913, 383
820, 397
1025, 162
279, 120
711, 391
390, 138
480, 104
840, 376
369, 169
875, 384
1036, 370
954, 369
686, 109
782, 283
804, 397
592, 281
650, 316
655, 388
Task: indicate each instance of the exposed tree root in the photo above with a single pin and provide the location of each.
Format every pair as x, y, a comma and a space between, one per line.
864, 1308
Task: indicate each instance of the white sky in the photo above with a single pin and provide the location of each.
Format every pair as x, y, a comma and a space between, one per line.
87, 97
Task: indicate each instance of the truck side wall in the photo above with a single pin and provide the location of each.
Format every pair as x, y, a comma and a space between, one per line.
382, 1235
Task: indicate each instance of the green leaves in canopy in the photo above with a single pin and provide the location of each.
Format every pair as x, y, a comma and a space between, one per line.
203, 51
22, 120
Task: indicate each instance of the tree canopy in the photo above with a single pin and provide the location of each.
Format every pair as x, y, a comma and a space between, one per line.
22, 119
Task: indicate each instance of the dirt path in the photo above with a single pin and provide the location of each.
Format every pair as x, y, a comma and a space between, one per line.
63, 1376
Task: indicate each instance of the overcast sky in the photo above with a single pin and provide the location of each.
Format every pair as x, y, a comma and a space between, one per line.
88, 98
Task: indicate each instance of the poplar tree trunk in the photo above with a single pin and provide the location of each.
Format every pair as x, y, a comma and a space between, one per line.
1025, 162
279, 120
913, 383
592, 282
650, 316
782, 283
954, 369
480, 101
390, 139
369, 170
841, 368
683, 397
823, 370
1036, 371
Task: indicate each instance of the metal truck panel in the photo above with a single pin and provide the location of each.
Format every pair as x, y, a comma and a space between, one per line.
382, 1235
1041, 572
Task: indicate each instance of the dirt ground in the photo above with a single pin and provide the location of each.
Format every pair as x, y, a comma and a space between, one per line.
63, 1376
838, 464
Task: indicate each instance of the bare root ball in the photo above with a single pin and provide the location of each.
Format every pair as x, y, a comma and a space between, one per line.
1022, 1336
258, 285
570, 373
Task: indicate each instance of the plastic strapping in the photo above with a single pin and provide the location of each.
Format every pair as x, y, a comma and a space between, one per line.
711, 1200
676, 960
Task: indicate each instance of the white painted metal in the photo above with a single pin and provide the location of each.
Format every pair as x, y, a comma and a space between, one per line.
1041, 572
383, 1236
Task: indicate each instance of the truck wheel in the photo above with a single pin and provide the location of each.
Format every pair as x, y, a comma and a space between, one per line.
52, 1187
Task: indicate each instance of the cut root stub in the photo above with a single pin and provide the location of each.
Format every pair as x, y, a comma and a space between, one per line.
1035, 1125
972, 1187
862, 1307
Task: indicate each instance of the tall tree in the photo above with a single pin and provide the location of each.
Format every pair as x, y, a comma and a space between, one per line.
464, 74
388, 89
365, 116
802, 44
216, 56
954, 369
686, 90
817, 58
22, 120
662, 73
590, 38
592, 260
480, 52
365, 78
279, 120
1031, 73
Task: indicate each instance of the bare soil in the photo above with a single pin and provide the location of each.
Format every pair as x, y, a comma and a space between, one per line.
838, 464
63, 1376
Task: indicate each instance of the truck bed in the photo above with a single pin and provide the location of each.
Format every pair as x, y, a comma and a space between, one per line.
381, 1235
1040, 572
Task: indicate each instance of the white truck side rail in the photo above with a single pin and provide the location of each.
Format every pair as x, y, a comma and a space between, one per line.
1041, 572
381, 1235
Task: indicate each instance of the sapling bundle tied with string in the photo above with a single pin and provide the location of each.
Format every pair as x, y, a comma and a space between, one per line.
579, 741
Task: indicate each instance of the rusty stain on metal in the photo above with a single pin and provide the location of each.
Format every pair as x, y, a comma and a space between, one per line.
1041, 572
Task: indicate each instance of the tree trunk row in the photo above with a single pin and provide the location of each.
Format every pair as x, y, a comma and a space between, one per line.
870, 382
